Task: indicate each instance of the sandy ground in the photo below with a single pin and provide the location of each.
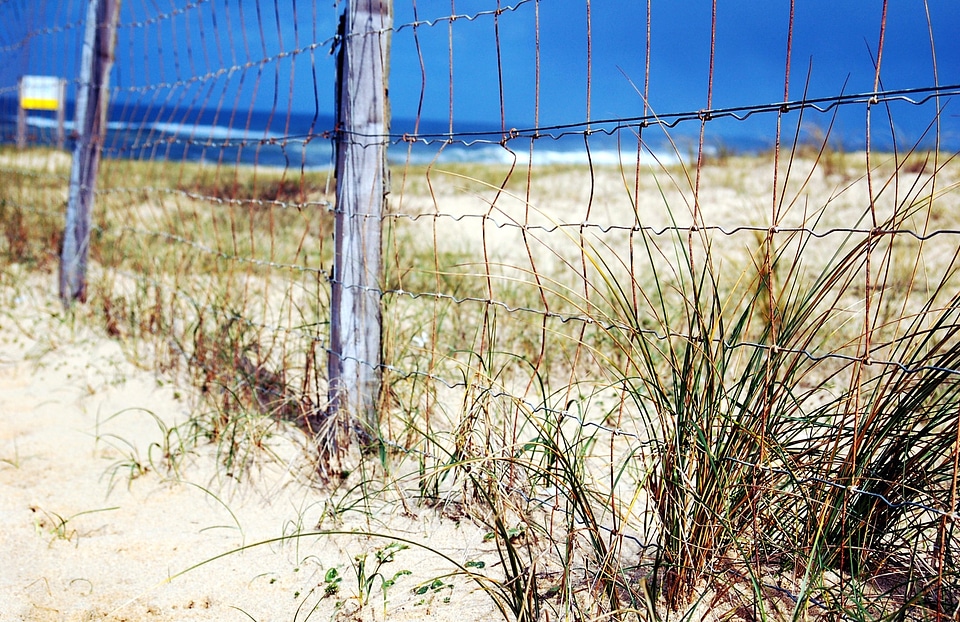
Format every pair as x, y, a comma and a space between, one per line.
83, 541
96, 528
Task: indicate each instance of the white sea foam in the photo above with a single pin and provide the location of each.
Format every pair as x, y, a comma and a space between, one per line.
495, 154
319, 155
48, 123
211, 132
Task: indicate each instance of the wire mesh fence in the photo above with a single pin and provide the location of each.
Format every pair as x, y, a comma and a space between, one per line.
691, 291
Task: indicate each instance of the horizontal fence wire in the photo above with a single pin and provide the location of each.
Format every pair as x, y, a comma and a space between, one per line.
636, 273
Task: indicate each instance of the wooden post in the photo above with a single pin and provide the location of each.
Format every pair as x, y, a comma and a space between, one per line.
21, 117
91, 122
355, 329
61, 112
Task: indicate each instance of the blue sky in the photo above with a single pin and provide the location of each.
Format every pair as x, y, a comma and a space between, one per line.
174, 41
834, 42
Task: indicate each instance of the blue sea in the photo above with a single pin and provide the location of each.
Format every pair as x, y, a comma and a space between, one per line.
304, 141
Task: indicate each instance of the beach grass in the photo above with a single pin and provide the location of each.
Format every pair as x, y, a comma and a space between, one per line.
660, 398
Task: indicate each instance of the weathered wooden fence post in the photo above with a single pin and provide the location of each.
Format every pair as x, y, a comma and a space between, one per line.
91, 122
355, 327
61, 114
21, 117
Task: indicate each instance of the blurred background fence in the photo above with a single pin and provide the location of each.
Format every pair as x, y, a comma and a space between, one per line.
662, 224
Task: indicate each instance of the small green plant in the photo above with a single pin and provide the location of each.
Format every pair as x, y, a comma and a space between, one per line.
57, 526
331, 583
433, 589
162, 456
513, 534
369, 572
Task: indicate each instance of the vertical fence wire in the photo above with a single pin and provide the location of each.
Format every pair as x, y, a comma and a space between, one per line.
775, 316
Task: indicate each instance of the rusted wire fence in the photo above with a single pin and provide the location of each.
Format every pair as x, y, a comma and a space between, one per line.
719, 261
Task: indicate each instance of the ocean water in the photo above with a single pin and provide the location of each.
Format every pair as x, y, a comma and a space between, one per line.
304, 141
145, 132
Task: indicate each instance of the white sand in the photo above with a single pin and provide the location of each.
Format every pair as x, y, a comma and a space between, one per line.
81, 541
